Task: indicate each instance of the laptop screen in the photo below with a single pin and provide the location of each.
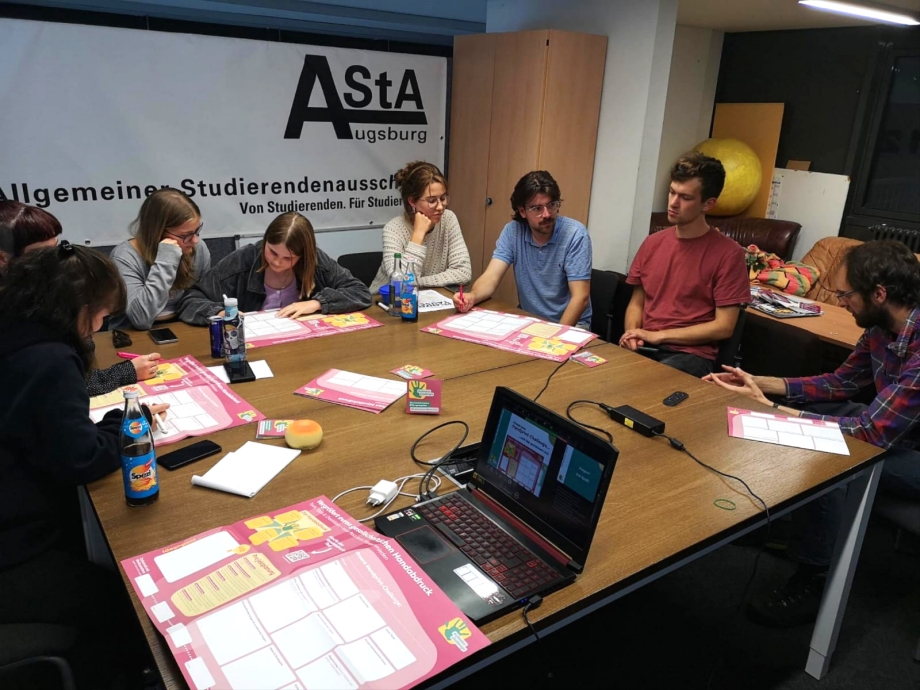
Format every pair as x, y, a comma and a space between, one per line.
548, 471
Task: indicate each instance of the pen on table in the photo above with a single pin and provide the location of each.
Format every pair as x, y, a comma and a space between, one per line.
382, 306
128, 355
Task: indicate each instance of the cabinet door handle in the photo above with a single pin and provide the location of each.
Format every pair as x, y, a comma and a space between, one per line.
488, 201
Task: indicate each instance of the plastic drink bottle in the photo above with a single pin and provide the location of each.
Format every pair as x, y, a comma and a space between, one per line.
234, 343
396, 280
409, 294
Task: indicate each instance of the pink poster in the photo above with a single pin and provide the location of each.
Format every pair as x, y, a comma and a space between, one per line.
526, 335
369, 393
199, 402
303, 597
265, 328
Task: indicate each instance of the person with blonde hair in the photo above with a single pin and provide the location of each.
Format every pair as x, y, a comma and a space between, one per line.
285, 271
163, 259
426, 231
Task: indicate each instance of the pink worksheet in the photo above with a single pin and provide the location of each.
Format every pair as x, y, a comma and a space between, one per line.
347, 388
265, 328
304, 597
526, 335
797, 432
199, 402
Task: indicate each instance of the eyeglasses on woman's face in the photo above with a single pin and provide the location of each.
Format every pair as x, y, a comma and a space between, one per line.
188, 237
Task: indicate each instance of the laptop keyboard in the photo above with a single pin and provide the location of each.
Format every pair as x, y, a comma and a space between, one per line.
508, 562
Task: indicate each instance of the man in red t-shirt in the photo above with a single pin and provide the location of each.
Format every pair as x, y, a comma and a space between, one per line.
689, 280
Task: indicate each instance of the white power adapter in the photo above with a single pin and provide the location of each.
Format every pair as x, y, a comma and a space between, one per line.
383, 492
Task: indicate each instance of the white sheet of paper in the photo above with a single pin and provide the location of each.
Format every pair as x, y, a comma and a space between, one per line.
260, 368
431, 300
247, 470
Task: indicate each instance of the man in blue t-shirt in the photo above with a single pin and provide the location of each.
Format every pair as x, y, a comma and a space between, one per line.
551, 255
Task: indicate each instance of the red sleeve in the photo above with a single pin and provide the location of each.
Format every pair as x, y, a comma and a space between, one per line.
733, 285
634, 277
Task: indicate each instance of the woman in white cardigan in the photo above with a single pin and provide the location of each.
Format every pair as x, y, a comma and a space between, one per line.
426, 231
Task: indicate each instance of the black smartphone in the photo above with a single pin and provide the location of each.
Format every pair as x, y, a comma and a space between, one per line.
162, 336
239, 372
184, 456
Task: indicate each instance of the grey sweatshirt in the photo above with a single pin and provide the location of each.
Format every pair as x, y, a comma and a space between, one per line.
150, 287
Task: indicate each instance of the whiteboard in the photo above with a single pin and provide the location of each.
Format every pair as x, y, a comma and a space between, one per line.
815, 200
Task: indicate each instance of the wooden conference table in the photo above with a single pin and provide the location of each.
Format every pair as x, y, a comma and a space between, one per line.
835, 326
659, 513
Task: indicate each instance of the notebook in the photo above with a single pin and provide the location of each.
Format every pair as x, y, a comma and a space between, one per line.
524, 523
247, 470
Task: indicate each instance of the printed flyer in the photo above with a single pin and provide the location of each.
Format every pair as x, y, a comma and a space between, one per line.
303, 597
526, 335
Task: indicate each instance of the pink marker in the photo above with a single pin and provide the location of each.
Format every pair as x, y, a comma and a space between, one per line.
128, 355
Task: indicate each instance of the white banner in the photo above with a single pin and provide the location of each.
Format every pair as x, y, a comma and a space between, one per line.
94, 119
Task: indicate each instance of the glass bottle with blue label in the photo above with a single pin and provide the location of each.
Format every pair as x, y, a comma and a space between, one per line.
138, 455
410, 293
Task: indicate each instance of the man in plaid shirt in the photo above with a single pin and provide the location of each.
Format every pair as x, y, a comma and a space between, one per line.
879, 284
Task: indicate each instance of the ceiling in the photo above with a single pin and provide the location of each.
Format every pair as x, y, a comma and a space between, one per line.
770, 15
425, 21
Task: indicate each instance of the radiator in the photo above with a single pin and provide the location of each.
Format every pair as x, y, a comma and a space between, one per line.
886, 232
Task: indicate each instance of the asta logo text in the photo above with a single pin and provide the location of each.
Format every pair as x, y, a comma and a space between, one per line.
404, 110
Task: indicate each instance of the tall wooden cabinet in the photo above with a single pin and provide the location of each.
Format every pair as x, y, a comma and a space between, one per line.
520, 101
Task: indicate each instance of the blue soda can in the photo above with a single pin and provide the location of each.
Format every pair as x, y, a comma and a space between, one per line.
216, 330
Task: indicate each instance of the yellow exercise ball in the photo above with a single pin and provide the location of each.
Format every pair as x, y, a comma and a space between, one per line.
743, 174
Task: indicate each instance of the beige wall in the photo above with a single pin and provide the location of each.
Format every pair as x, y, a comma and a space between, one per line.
691, 94
640, 34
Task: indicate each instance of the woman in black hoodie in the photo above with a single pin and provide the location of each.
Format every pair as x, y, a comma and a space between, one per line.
51, 301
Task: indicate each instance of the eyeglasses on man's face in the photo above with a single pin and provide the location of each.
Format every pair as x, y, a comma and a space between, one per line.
538, 210
843, 295
433, 201
187, 238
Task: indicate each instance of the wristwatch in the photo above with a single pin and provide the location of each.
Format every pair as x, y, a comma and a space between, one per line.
776, 406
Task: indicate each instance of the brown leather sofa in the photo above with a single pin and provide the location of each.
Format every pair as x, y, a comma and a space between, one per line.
774, 236
826, 256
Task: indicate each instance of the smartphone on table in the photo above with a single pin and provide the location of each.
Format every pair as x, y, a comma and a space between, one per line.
162, 336
189, 454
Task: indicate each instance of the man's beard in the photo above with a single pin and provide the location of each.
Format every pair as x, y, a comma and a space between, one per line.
874, 315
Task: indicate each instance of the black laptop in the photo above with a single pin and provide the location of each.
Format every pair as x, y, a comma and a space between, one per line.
523, 524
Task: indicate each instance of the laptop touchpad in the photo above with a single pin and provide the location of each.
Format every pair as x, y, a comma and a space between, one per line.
425, 545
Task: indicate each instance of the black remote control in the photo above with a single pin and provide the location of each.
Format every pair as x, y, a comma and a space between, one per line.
675, 398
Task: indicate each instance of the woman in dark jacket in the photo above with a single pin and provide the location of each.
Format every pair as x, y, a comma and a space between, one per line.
24, 229
285, 271
51, 301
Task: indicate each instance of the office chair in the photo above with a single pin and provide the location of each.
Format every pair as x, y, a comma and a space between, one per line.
603, 289
730, 349
26, 646
363, 266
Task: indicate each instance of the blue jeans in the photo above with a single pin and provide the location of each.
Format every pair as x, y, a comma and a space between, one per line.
816, 524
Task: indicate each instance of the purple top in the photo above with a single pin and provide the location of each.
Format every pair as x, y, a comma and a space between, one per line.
278, 299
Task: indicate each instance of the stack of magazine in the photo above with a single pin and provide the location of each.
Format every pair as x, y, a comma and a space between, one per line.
781, 305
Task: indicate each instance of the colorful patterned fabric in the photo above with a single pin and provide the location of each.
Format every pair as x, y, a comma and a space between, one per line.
892, 363
791, 277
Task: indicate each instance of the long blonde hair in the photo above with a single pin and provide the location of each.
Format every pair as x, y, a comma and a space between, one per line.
165, 208
295, 232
